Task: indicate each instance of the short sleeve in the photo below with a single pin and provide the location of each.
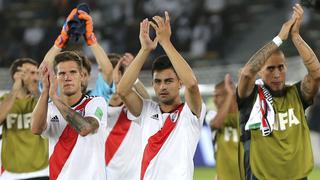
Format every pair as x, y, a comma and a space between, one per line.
45, 133
97, 108
145, 105
193, 120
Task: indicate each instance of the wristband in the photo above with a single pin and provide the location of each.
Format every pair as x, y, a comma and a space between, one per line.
277, 40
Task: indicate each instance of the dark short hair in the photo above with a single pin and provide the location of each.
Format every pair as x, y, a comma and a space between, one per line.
19, 62
219, 85
114, 59
67, 56
161, 63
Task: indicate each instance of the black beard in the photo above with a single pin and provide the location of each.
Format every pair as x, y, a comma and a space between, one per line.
279, 93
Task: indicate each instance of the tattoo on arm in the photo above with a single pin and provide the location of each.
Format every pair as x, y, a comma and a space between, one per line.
308, 87
259, 58
310, 60
73, 118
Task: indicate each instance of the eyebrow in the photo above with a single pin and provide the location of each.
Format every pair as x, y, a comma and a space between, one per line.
274, 66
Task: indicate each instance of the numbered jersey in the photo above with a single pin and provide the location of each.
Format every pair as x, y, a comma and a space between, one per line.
19, 144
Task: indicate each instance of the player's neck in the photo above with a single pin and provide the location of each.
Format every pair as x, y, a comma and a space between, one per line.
22, 93
166, 107
73, 99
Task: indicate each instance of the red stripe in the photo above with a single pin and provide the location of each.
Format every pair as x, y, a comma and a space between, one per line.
2, 169
117, 135
156, 141
263, 107
64, 147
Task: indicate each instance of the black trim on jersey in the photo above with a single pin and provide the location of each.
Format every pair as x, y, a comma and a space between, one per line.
79, 101
245, 106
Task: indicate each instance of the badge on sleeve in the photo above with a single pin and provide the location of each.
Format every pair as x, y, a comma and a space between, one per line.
99, 113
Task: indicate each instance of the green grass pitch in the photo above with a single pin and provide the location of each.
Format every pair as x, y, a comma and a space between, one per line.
209, 174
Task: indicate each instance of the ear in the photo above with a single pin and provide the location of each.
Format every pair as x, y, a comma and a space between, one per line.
81, 75
180, 83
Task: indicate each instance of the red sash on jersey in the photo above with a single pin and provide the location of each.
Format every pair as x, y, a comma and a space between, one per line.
64, 147
156, 141
117, 135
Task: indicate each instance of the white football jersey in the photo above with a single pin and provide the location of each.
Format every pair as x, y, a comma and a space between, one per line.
123, 146
174, 160
71, 155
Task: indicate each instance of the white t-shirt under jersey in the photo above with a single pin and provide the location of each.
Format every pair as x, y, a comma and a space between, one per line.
175, 158
125, 163
86, 160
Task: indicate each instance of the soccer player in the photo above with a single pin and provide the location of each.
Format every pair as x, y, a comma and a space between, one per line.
24, 155
272, 116
73, 122
123, 144
170, 128
224, 123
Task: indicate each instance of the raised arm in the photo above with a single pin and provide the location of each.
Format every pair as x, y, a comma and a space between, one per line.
98, 52
185, 73
310, 83
83, 125
124, 89
59, 43
256, 62
229, 104
138, 86
39, 113
8, 101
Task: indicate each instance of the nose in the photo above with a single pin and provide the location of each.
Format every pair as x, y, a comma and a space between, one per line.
163, 86
67, 77
276, 73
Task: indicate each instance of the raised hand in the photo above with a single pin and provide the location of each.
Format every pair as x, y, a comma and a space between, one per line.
44, 77
145, 40
53, 88
284, 32
127, 59
18, 79
229, 85
63, 38
162, 27
89, 35
298, 13
116, 74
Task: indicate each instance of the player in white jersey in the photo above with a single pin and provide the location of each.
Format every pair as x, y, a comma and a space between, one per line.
170, 128
123, 143
74, 123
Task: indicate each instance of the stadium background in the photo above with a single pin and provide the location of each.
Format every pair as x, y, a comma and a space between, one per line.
215, 36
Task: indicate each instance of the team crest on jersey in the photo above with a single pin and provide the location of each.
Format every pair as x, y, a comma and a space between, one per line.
174, 116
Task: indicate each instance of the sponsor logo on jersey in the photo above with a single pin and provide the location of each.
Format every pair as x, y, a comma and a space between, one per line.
55, 119
155, 116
